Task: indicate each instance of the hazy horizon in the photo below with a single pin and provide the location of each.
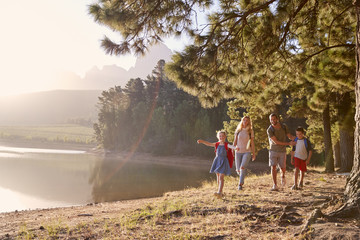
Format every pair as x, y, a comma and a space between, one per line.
102, 78
48, 39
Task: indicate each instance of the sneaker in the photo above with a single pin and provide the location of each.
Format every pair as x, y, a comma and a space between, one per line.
240, 187
238, 172
283, 181
301, 185
274, 188
294, 187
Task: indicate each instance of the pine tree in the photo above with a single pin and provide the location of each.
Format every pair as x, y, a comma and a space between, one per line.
135, 90
249, 50
112, 119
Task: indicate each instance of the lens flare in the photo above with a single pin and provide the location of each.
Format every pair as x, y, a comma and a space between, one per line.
140, 137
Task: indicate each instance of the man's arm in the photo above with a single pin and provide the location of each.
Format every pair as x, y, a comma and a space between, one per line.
290, 136
274, 139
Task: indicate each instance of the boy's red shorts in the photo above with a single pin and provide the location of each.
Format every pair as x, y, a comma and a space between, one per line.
301, 164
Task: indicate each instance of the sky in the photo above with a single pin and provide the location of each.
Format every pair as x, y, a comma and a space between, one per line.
40, 39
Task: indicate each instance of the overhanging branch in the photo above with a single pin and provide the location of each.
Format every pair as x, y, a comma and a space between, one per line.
325, 49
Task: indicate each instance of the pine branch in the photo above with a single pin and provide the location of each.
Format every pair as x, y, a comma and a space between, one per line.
242, 18
287, 27
335, 18
325, 49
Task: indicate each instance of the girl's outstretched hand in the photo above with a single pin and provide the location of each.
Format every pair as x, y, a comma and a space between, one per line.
198, 141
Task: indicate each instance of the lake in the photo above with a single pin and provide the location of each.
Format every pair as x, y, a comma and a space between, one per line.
32, 178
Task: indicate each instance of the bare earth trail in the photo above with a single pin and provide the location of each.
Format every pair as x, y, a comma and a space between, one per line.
253, 213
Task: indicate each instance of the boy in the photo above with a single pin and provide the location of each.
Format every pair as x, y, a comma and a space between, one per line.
300, 156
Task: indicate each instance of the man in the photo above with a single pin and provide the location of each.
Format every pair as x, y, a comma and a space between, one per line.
278, 134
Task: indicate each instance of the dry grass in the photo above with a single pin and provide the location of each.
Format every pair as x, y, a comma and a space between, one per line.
254, 213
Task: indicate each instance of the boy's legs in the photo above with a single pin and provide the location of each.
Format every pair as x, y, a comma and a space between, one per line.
298, 168
301, 183
296, 176
303, 169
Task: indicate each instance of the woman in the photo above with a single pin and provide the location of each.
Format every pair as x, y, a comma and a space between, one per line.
244, 141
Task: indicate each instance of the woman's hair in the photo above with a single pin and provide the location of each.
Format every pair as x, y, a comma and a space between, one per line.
219, 132
240, 125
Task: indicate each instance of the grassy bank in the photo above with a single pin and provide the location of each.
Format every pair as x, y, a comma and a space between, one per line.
47, 135
254, 213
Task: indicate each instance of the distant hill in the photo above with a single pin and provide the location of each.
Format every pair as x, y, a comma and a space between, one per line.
79, 95
49, 107
112, 75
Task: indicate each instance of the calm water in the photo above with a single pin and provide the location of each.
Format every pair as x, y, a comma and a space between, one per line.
43, 178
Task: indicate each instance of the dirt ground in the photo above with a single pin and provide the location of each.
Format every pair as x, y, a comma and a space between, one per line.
253, 213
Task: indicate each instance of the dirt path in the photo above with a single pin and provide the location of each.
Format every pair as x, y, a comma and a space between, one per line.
254, 213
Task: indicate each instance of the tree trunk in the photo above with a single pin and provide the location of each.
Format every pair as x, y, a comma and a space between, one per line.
346, 129
336, 149
346, 150
329, 158
352, 188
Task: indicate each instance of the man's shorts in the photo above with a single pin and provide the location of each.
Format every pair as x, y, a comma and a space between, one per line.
277, 158
301, 164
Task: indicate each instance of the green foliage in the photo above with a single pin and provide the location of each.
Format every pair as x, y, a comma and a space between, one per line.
112, 118
265, 56
155, 116
143, 23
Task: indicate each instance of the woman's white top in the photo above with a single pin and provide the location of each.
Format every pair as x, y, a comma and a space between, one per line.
243, 138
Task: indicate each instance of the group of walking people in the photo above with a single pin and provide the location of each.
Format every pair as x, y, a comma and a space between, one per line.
244, 147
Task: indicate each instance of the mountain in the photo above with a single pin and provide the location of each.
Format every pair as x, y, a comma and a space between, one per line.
112, 75
145, 65
79, 95
50, 107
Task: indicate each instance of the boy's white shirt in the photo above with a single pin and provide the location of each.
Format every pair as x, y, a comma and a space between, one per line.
300, 150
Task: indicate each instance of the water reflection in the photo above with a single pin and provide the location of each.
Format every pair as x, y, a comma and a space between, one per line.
42, 179
56, 179
139, 179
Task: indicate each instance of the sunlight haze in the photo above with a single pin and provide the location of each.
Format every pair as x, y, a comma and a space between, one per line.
44, 39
